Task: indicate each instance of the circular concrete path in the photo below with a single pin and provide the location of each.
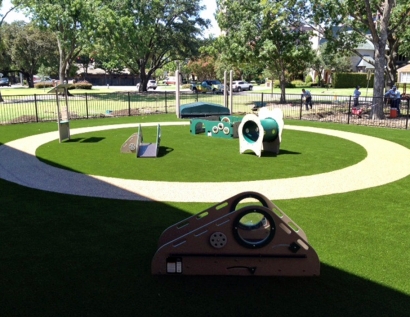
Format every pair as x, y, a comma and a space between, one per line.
385, 162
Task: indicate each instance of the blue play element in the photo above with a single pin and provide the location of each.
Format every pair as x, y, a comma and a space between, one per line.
271, 128
203, 109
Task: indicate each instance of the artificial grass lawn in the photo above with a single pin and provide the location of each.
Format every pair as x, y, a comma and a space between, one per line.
64, 255
198, 158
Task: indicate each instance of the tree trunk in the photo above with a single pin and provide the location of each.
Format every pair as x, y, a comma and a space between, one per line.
62, 72
144, 78
29, 78
378, 89
379, 37
282, 80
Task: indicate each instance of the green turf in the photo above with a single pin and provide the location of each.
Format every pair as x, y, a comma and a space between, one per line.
64, 255
198, 158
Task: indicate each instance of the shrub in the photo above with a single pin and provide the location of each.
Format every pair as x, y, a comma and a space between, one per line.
44, 84
308, 79
276, 84
298, 83
349, 80
82, 85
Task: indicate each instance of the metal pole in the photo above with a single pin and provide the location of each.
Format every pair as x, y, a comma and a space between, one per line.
225, 90
86, 105
35, 105
177, 100
230, 91
129, 104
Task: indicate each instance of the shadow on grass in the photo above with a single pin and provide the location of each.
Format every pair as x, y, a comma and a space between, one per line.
164, 150
85, 140
286, 152
65, 255
76, 256
271, 154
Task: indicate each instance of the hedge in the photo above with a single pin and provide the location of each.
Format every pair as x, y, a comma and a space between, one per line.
350, 80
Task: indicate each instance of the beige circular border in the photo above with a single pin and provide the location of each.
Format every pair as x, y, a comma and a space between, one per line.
386, 162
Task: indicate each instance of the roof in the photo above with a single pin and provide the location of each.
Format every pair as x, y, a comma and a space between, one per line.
367, 45
404, 69
364, 62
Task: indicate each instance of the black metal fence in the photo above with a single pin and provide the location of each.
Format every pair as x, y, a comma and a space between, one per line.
42, 107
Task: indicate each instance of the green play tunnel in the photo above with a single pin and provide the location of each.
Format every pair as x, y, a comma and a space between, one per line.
251, 131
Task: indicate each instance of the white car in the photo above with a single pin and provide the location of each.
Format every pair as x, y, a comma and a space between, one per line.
239, 85
152, 84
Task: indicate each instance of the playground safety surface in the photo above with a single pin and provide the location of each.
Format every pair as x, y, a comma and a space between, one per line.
19, 164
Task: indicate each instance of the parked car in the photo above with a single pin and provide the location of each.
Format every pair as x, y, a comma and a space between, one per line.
172, 80
239, 85
152, 84
42, 79
4, 81
214, 86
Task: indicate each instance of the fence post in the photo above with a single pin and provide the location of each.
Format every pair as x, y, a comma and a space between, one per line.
301, 107
166, 102
261, 100
86, 105
35, 106
407, 118
349, 110
129, 104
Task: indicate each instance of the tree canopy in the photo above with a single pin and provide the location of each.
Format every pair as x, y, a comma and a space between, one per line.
265, 34
146, 35
71, 21
347, 23
28, 48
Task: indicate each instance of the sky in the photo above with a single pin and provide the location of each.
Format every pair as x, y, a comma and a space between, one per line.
207, 14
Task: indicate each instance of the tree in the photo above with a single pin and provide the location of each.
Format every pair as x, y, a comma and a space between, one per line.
105, 58
336, 62
265, 33
203, 68
379, 20
29, 47
71, 21
147, 34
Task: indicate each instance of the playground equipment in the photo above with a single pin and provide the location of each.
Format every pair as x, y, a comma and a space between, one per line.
227, 103
227, 239
203, 109
134, 144
63, 117
262, 132
216, 126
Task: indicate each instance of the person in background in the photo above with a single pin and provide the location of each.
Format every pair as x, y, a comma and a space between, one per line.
394, 96
308, 98
356, 95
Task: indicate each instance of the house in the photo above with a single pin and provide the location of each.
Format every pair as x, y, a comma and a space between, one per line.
359, 63
403, 74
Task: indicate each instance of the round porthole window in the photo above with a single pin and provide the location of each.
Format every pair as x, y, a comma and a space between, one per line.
254, 227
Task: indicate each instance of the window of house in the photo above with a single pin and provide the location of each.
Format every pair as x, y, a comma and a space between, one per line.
405, 77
